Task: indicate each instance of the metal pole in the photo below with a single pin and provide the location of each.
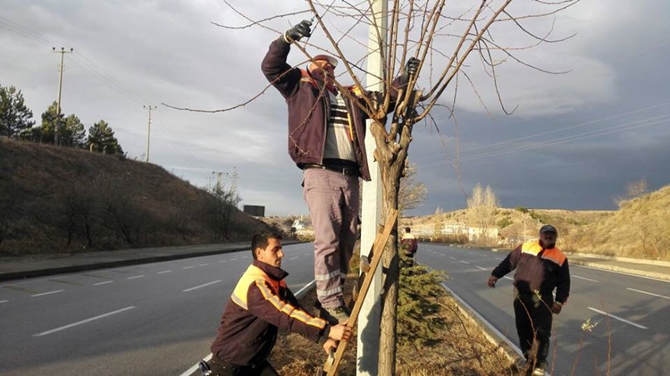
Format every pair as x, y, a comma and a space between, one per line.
370, 315
62, 53
149, 129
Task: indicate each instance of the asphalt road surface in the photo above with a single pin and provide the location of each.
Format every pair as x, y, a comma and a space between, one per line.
613, 324
151, 319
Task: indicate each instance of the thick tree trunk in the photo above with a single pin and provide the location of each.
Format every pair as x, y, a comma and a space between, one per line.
387, 342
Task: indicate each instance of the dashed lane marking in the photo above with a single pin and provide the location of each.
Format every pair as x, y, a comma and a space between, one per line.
648, 293
82, 322
205, 285
47, 293
584, 278
136, 276
618, 318
102, 283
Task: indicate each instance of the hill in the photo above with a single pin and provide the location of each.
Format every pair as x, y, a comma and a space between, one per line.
640, 229
60, 200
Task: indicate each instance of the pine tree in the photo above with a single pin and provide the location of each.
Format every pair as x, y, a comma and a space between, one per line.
15, 116
101, 139
73, 132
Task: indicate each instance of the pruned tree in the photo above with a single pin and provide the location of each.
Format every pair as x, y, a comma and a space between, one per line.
15, 116
443, 36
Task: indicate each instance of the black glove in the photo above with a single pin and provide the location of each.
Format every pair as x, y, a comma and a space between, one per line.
411, 67
303, 29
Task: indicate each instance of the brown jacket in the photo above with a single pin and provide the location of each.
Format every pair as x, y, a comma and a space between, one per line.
308, 109
261, 303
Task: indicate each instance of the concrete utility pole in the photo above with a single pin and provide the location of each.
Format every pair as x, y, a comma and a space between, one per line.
370, 314
62, 53
150, 108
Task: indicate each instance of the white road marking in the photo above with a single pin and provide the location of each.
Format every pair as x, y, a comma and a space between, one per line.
584, 278
479, 267
465, 262
299, 293
82, 322
222, 261
188, 267
102, 283
190, 371
294, 258
618, 318
205, 285
245, 257
164, 271
453, 258
203, 264
3, 301
235, 259
648, 293
47, 293
498, 258
136, 276
510, 278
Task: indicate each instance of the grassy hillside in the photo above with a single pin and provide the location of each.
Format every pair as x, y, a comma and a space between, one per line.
640, 229
59, 200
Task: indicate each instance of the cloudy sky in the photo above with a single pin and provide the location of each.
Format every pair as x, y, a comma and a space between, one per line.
574, 141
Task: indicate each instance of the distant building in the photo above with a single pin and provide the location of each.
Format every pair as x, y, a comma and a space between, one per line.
298, 225
254, 210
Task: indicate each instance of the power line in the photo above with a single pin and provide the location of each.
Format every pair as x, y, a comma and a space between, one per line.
489, 146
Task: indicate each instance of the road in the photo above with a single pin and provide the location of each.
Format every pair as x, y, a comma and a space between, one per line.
631, 314
151, 319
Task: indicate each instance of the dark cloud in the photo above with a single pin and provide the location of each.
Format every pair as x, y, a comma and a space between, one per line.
574, 142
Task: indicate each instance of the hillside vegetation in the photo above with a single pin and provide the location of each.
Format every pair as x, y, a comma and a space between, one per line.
640, 229
60, 200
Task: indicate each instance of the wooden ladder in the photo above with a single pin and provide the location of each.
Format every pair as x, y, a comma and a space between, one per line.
377, 250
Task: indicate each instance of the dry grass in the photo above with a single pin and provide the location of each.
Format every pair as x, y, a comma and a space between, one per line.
462, 349
640, 229
41, 185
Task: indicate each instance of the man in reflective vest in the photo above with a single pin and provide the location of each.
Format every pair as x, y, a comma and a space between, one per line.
260, 304
541, 268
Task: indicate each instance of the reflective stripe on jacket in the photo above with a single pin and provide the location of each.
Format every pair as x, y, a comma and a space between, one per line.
538, 270
259, 305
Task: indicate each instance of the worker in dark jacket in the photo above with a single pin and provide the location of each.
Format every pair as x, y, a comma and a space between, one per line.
326, 139
260, 304
541, 268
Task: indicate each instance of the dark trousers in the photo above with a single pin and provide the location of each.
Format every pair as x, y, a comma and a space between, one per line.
533, 325
220, 368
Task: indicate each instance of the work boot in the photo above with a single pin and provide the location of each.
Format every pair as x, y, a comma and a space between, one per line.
336, 315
